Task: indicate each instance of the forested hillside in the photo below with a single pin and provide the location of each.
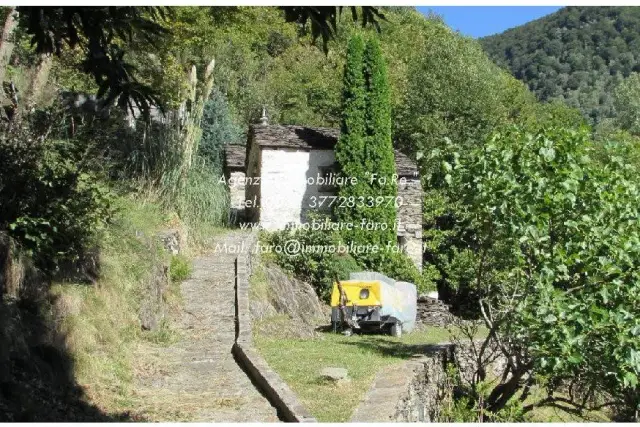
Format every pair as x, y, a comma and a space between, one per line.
578, 54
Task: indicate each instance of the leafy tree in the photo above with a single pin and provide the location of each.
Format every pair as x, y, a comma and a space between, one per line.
103, 34
323, 19
454, 93
554, 260
106, 34
218, 129
627, 104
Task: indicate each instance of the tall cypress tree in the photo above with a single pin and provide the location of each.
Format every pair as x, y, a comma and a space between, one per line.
378, 153
349, 150
365, 148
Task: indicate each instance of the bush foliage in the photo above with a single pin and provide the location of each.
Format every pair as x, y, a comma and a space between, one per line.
53, 204
552, 254
321, 267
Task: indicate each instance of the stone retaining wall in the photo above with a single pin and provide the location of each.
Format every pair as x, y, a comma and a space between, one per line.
408, 392
264, 378
433, 312
414, 391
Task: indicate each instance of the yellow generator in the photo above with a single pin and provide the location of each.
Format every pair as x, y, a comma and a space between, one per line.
372, 301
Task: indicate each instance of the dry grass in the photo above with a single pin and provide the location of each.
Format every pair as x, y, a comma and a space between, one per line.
163, 405
100, 322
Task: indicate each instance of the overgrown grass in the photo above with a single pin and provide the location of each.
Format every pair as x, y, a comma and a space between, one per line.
100, 321
299, 361
202, 200
180, 268
153, 156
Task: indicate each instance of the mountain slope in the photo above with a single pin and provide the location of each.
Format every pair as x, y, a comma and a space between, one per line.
577, 54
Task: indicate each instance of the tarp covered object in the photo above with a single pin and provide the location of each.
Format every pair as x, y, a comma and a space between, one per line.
398, 299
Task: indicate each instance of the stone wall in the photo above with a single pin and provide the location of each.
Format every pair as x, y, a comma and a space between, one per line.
409, 218
408, 392
237, 197
252, 191
152, 298
270, 384
433, 312
415, 391
152, 305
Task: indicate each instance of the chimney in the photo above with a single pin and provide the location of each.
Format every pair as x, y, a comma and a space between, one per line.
264, 120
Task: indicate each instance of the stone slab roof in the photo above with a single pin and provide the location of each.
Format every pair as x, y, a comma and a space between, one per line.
298, 137
311, 138
235, 157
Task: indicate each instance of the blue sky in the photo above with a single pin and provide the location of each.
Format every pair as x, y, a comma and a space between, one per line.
479, 21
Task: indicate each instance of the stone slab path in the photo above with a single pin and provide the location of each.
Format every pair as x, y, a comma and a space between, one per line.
197, 378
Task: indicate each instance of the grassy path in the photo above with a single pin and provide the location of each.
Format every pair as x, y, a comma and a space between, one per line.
298, 362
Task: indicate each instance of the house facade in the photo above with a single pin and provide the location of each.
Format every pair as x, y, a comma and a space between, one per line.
286, 172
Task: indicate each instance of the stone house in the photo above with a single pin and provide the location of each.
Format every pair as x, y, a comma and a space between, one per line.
285, 172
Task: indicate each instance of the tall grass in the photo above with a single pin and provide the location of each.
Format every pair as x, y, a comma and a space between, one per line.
164, 156
100, 323
196, 195
199, 198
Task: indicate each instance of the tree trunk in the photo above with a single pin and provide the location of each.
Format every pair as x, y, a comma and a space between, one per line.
38, 81
6, 45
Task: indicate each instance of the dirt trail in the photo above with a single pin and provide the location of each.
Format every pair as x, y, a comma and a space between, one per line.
197, 378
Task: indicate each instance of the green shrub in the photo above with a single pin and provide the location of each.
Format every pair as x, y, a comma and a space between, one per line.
318, 268
399, 266
180, 268
53, 205
344, 264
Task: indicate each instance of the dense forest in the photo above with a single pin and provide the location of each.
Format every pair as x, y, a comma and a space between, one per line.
578, 54
112, 131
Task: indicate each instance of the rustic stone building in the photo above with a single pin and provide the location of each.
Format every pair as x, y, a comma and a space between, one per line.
286, 171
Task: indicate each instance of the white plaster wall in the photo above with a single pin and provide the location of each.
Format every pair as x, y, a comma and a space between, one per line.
285, 197
284, 193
